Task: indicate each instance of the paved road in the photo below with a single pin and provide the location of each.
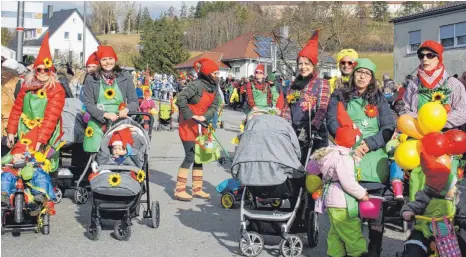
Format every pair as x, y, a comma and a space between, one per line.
197, 228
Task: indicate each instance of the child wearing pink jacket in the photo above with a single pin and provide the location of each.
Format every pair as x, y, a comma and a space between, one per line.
147, 105
337, 165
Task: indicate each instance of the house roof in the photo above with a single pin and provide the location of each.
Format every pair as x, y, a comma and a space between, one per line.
447, 7
214, 56
241, 47
53, 24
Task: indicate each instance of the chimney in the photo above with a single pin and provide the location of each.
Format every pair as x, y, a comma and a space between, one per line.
49, 11
284, 32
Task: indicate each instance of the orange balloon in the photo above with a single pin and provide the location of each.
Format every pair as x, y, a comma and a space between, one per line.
445, 160
409, 126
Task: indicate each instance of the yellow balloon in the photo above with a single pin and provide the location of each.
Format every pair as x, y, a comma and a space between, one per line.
403, 138
407, 154
409, 126
432, 117
313, 183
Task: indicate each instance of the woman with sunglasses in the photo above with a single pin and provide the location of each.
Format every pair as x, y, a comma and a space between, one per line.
39, 104
434, 84
370, 112
258, 93
109, 94
345, 61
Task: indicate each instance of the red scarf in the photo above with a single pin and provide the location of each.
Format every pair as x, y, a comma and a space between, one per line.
431, 78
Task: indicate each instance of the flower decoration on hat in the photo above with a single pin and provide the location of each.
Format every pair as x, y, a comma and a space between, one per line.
109, 93
48, 62
114, 180
44, 57
371, 111
141, 175
89, 132
438, 97
41, 93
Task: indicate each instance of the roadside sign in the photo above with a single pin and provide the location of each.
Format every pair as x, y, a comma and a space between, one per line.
32, 14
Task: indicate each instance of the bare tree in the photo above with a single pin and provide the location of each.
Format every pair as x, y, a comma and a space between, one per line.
103, 16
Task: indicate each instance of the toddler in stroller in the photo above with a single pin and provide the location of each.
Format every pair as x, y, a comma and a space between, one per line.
268, 163
120, 178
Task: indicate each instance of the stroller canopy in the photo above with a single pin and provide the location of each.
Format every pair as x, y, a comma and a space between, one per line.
268, 152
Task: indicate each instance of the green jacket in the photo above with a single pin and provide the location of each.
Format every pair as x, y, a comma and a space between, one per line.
192, 94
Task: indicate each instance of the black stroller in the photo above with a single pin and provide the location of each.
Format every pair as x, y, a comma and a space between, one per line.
118, 189
267, 162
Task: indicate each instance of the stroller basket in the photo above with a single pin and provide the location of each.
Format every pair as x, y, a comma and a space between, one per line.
286, 190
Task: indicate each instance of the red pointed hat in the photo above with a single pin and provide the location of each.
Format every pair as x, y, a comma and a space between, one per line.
93, 59
106, 51
311, 49
121, 137
433, 46
347, 133
437, 174
260, 67
44, 57
28, 139
205, 66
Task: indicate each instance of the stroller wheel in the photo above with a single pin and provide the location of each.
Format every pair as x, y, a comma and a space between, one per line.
313, 229
276, 204
58, 194
45, 227
81, 195
155, 214
221, 160
254, 247
94, 231
227, 200
292, 248
122, 231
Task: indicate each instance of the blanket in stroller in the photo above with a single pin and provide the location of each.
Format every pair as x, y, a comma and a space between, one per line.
268, 153
72, 121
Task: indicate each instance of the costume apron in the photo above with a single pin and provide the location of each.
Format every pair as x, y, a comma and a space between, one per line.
108, 103
188, 129
260, 97
373, 167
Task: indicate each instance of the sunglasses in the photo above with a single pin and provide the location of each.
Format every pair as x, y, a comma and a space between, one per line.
350, 63
259, 72
429, 56
40, 70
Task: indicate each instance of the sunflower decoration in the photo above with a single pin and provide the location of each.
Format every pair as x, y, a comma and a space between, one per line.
31, 123
371, 111
140, 176
25, 141
41, 93
114, 179
438, 97
89, 132
109, 93
39, 120
47, 166
48, 62
293, 97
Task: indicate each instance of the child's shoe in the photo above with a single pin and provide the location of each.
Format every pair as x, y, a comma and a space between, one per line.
397, 186
50, 208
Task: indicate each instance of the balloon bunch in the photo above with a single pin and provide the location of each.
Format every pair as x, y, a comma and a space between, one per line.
426, 131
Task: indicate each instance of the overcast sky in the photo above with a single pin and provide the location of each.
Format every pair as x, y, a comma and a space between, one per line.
155, 7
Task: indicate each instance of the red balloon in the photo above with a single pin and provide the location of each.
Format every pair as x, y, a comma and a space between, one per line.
457, 140
435, 144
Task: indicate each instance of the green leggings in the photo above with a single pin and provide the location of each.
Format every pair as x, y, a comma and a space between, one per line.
345, 235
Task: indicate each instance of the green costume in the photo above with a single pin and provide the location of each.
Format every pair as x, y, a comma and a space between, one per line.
109, 99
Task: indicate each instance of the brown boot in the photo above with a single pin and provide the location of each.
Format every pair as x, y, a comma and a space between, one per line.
197, 184
180, 189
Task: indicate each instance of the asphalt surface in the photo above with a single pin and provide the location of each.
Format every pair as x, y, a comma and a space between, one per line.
196, 228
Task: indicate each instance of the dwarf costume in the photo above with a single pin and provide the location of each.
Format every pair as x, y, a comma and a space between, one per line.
259, 93
124, 139
39, 106
339, 82
200, 98
436, 200
307, 102
93, 59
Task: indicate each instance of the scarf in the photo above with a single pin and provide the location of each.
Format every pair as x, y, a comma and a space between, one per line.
301, 82
109, 77
430, 79
35, 84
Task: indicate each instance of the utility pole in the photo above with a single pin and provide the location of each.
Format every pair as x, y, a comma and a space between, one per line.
84, 35
20, 32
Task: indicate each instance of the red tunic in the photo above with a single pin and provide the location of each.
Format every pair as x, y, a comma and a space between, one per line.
188, 129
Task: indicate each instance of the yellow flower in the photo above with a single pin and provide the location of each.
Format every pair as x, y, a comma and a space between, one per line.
109, 93
48, 62
40, 157
26, 141
89, 132
438, 97
31, 123
114, 180
47, 166
140, 176
39, 120
41, 93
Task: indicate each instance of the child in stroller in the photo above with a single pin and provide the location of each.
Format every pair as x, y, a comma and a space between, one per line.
119, 182
268, 163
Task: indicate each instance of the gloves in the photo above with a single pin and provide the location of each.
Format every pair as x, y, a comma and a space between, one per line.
407, 215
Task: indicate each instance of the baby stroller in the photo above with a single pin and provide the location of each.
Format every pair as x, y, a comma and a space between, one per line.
267, 162
117, 191
165, 115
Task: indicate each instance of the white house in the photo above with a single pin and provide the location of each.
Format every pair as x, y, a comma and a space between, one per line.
66, 37
445, 24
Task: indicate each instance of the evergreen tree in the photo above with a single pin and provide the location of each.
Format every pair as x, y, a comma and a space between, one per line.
138, 19
171, 12
199, 9
184, 10
146, 20
192, 12
161, 46
380, 11
411, 7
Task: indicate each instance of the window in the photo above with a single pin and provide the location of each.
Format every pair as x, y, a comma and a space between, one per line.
67, 35
237, 69
414, 41
80, 36
81, 57
460, 33
453, 35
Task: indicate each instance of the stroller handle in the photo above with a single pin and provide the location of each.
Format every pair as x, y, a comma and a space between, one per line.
151, 120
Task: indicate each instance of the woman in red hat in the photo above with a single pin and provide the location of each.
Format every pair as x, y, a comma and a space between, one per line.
109, 94
92, 63
434, 84
197, 102
39, 104
307, 101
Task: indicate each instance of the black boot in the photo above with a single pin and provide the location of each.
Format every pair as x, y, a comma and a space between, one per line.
375, 243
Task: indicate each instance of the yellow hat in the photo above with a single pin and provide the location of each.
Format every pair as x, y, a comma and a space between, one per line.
347, 52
